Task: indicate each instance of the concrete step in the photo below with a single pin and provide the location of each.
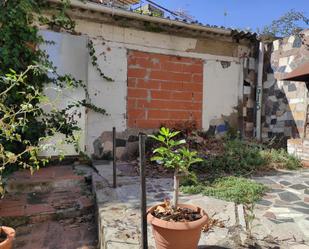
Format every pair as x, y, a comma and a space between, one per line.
44, 180
36, 207
52, 193
73, 233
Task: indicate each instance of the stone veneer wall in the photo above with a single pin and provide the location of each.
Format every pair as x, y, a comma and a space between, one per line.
249, 92
284, 102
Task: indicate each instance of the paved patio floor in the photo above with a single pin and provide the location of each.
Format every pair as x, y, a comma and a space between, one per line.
283, 214
281, 217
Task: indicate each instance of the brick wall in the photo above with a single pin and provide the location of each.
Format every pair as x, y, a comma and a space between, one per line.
163, 88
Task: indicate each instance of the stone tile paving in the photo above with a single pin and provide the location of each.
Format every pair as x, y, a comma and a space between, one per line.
119, 215
283, 214
281, 217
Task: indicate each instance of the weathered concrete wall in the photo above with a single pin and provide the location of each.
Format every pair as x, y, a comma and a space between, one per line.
112, 44
221, 93
285, 102
69, 55
113, 41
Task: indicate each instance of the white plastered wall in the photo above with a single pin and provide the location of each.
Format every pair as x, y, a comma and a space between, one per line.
220, 91
69, 55
112, 43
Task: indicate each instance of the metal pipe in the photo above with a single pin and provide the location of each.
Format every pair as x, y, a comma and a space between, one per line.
143, 190
114, 159
124, 13
259, 92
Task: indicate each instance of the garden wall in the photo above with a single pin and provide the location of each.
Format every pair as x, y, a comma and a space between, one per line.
284, 102
198, 77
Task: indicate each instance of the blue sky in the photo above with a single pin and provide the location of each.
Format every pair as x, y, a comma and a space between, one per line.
240, 13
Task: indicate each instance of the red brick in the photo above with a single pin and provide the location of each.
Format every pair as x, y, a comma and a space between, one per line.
136, 113
158, 114
197, 78
172, 67
143, 62
157, 94
142, 103
175, 87
131, 103
148, 123
161, 57
193, 87
136, 72
132, 82
148, 84
183, 95
180, 115
168, 85
193, 68
198, 97
137, 93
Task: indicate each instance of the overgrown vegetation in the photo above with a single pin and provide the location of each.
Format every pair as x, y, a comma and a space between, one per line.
12, 120
231, 188
20, 49
239, 157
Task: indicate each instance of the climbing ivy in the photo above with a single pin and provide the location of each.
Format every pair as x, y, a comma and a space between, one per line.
94, 60
20, 48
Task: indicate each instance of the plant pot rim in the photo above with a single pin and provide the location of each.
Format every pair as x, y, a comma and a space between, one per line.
10, 235
184, 225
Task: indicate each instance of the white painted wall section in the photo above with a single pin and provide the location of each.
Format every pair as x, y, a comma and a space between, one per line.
69, 54
220, 90
110, 95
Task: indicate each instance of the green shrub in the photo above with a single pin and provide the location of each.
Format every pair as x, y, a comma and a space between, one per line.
242, 158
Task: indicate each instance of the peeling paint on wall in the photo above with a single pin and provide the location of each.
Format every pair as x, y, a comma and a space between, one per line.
225, 64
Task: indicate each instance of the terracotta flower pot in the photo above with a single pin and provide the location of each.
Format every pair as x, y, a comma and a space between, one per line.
10, 235
177, 235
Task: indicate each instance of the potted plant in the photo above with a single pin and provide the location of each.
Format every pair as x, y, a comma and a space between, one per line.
7, 236
175, 225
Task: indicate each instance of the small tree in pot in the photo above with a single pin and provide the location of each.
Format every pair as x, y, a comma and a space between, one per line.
177, 225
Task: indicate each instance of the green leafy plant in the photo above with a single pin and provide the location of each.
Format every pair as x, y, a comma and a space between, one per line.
13, 119
173, 154
20, 48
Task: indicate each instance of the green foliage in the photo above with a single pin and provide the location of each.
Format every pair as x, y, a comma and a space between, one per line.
281, 158
13, 120
171, 154
19, 50
243, 158
236, 189
59, 19
94, 61
290, 23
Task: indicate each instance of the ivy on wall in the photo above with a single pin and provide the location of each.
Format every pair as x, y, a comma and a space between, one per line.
20, 48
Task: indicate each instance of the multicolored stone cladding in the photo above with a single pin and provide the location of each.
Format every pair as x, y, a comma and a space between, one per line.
284, 102
249, 92
163, 88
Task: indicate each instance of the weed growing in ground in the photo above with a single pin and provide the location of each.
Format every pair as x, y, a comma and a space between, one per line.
242, 158
236, 189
